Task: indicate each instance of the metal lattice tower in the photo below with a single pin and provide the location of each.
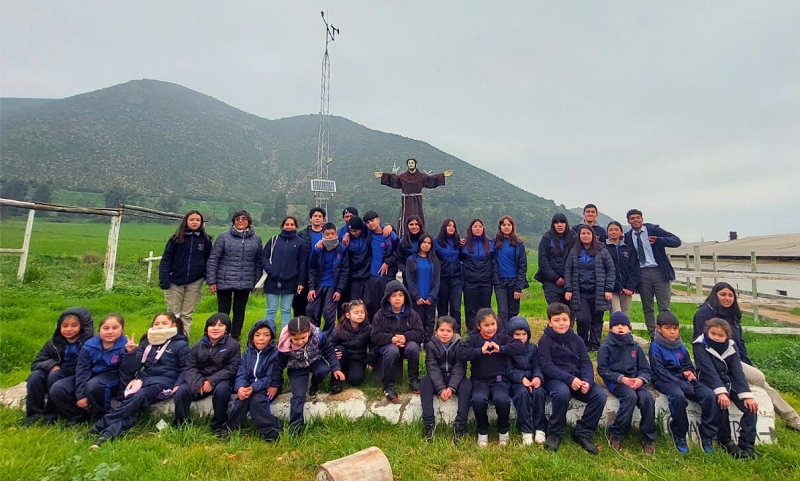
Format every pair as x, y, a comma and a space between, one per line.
322, 187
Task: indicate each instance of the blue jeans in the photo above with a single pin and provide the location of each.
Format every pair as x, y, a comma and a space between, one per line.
285, 302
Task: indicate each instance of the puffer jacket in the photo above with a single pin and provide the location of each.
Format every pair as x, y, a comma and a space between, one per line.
52, 353
213, 363
184, 263
235, 260
386, 323
605, 278
166, 371
444, 368
255, 368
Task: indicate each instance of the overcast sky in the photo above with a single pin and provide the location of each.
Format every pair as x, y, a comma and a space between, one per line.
689, 111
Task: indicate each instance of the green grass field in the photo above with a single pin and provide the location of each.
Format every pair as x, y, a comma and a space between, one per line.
66, 269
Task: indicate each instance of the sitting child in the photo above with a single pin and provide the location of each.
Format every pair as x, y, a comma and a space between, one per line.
568, 373
397, 333
306, 352
54, 366
527, 391
622, 364
252, 380
350, 340
720, 368
447, 375
487, 350
674, 376
211, 370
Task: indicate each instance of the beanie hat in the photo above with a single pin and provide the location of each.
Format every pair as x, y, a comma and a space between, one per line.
667, 318
619, 317
356, 223
349, 210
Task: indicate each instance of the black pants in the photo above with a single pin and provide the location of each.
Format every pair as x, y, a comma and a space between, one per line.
220, 398
298, 382
427, 313
240, 297
449, 303
747, 425
257, 405
530, 408
498, 393
322, 306
300, 302
560, 395
377, 285
475, 298
353, 365
359, 289
99, 391
553, 293
464, 397
391, 354
676, 397
507, 306
125, 416
590, 321
37, 401
629, 400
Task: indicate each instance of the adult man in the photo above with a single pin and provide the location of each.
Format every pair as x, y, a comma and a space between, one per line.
650, 241
590, 219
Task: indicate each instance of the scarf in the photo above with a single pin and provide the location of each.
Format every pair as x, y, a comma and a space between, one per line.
663, 342
561, 338
330, 244
620, 339
288, 234
158, 337
719, 347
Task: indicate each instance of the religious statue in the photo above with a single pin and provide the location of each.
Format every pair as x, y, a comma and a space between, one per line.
411, 182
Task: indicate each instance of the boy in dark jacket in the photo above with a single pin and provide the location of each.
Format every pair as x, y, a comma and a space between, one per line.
359, 260
210, 370
675, 377
383, 261
327, 278
622, 364
447, 375
397, 333
487, 351
527, 391
351, 340
252, 380
568, 373
56, 361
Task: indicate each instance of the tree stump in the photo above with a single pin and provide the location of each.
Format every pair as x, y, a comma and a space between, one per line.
367, 465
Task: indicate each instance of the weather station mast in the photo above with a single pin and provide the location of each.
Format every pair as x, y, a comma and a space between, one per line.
322, 187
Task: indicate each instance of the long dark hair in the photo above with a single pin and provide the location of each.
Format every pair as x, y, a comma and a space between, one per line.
431, 253
513, 239
593, 249
178, 235
469, 238
406, 241
570, 239
713, 301
442, 237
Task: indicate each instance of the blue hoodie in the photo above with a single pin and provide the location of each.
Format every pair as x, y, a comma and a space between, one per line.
255, 369
526, 364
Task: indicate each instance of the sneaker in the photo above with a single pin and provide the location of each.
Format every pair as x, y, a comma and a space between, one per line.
336, 386
680, 444
614, 441
98, 442
706, 443
552, 442
314, 389
539, 437
429, 430
483, 440
527, 439
648, 448
586, 443
414, 384
504, 438
458, 433
389, 392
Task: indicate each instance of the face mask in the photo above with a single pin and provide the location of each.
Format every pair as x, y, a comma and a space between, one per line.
330, 244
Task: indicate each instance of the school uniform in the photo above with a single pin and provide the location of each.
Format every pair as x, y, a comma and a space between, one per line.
588, 277
386, 324
510, 276
383, 251
311, 238
529, 404
552, 259
359, 258
354, 346
422, 279
478, 278
450, 283
628, 274
285, 260
181, 273
328, 275
445, 370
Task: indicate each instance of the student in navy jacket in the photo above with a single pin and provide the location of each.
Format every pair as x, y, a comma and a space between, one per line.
510, 270
183, 267
351, 342
527, 388
554, 247
328, 273
408, 244
590, 219
448, 250
423, 275
210, 370
285, 260
626, 263
311, 235
477, 256
383, 260
359, 258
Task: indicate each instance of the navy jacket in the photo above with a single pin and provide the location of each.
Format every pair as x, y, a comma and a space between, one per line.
52, 353
488, 367
605, 277
449, 257
552, 265
94, 360
478, 267
255, 368
386, 323
212, 363
521, 281
235, 260
167, 371
564, 357
721, 372
359, 257
184, 263
706, 312
341, 267
285, 260
621, 356
668, 365
626, 263
413, 278
526, 364
444, 368
355, 342
665, 239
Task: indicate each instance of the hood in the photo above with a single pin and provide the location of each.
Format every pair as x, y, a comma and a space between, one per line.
518, 322
258, 325
393, 286
83, 314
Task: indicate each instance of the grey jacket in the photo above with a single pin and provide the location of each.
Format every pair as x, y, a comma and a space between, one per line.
235, 260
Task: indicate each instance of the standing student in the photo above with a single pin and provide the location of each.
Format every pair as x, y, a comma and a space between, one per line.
423, 272
328, 274
553, 250
359, 261
347, 214
590, 219
409, 243
650, 242
234, 267
477, 255
448, 250
626, 265
527, 388
285, 260
383, 266
183, 267
589, 284
311, 235
511, 270
723, 303
351, 340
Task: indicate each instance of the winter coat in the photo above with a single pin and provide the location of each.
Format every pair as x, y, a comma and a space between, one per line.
255, 368
521, 257
525, 364
621, 356
551, 265
341, 267
449, 257
721, 372
488, 367
386, 323
355, 342
212, 363
184, 263
167, 371
405, 250
413, 279
599, 231
285, 260
318, 347
564, 357
667, 365
235, 260
706, 312
444, 368
359, 257
478, 267
605, 277
306, 236
94, 360
52, 353
664, 239
626, 264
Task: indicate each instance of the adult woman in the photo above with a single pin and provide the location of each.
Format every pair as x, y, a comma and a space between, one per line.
511, 269
553, 249
285, 260
628, 272
478, 271
183, 267
448, 249
723, 303
234, 267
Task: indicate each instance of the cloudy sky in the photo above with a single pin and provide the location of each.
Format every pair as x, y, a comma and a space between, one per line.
689, 111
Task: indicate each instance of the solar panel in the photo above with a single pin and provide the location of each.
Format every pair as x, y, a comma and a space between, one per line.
323, 185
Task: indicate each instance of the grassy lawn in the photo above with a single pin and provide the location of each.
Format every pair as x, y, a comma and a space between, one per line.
66, 270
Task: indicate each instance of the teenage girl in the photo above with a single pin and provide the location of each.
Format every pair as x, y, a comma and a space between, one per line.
409, 243
478, 257
285, 260
553, 250
511, 267
448, 250
626, 263
350, 341
423, 271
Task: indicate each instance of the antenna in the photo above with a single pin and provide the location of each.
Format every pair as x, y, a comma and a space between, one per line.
323, 188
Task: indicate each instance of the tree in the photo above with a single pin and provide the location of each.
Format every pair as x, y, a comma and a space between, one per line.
43, 194
117, 194
279, 211
14, 189
169, 203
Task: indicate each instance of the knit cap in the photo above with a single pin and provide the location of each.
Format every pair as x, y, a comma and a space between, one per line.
619, 317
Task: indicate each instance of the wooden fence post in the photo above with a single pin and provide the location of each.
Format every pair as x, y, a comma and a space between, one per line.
698, 265
111, 251
714, 265
688, 279
26, 244
149, 267
754, 268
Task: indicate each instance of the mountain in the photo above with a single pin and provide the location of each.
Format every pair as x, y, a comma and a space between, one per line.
602, 219
10, 104
155, 137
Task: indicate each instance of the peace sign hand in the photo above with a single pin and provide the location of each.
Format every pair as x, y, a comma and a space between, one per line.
130, 346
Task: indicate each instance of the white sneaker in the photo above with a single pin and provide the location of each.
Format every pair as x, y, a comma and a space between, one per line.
503, 439
539, 437
527, 439
483, 440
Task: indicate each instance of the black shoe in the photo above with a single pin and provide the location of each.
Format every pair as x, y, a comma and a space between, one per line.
586, 443
31, 420
458, 433
731, 448
414, 384
336, 386
390, 393
314, 389
429, 430
272, 436
552, 442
